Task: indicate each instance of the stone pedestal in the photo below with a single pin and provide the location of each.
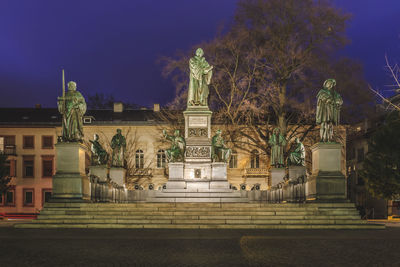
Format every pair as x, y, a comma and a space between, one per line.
219, 179
101, 171
70, 183
117, 175
327, 183
277, 175
296, 171
175, 180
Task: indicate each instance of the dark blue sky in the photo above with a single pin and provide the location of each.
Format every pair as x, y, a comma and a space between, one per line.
112, 47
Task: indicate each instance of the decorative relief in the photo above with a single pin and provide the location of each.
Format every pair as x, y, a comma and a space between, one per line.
198, 132
198, 152
197, 121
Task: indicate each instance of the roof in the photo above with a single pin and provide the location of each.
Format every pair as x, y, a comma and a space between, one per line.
51, 116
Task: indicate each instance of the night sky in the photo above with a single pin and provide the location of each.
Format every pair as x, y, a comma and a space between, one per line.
112, 47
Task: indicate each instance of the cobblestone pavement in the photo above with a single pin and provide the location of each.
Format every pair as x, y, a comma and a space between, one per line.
80, 247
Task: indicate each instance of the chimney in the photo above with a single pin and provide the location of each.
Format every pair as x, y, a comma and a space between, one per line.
156, 107
38, 106
118, 107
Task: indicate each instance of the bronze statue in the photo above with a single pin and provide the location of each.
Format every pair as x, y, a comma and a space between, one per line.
99, 154
72, 106
219, 152
277, 142
298, 156
200, 78
178, 144
118, 145
328, 110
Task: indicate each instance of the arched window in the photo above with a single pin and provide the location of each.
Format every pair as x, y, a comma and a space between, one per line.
255, 159
139, 159
233, 160
161, 158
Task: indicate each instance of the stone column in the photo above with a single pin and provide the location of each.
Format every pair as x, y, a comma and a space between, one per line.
327, 182
70, 183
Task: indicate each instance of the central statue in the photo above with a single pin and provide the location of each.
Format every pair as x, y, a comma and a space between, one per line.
200, 78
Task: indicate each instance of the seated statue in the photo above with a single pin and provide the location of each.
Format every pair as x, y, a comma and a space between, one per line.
219, 152
99, 154
178, 144
297, 157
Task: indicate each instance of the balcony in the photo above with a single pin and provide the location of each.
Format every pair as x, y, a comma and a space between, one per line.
10, 150
255, 172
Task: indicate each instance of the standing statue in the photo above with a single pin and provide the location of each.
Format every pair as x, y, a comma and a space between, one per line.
328, 110
72, 106
178, 144
200, 78
277, 142
219, 152
99, 154
298, 156
118, 145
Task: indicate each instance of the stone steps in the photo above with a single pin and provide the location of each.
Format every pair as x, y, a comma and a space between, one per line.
200, 216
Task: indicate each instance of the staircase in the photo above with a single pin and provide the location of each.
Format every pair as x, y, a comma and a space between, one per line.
200, 216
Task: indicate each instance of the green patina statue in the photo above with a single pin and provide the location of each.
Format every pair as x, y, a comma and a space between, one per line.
277, 142
298, 156
118, 145
219, 152
72, 106
177, 150
200, 78
99, 154
328, 110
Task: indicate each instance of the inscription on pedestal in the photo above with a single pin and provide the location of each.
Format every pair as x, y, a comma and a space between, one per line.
198, 132
197, 121
198, 152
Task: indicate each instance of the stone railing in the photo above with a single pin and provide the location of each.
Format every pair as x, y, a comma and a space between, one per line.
288, 191
106, 191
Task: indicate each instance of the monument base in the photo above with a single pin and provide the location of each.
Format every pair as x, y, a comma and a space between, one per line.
101, 171
70, 183
327, 183
277, 175
296, 172
117, 175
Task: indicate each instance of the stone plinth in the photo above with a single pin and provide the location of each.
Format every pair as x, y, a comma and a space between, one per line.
327, 183
219, 177
70, 183
296, 172
175, 180
117, 175
277, 175
100, 171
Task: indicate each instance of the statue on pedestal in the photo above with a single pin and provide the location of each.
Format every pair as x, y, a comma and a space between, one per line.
118, 145
219, 152
99, 154
328, 110
178, 144
277, 143
200, 78
72, 106
298, 156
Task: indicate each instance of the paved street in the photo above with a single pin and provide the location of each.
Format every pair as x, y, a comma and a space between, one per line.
79, 247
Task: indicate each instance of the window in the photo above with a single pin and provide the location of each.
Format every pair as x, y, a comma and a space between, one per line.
28, 166
161, 159
233, 160
139, 159
47, 142
9, 144
29, 197
46, 195
360, 154
28, 142
255, 159
10, 197
10, 168
47, 166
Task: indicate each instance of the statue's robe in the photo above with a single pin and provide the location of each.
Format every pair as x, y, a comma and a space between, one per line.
200, 78
277, 143
73, 108
328, 107
118, 145
297, 157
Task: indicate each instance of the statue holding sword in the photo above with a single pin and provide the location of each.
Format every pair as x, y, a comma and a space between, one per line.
72, 106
